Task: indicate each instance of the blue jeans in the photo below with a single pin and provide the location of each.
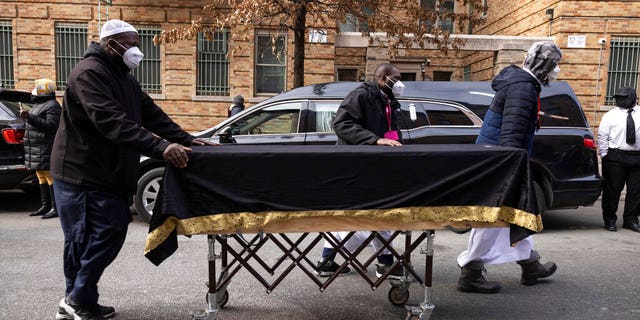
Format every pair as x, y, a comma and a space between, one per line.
94, 224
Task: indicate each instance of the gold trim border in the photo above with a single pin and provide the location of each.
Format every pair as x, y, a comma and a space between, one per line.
411, 218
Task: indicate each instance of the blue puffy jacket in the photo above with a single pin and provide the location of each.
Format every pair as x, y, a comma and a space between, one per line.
513, 113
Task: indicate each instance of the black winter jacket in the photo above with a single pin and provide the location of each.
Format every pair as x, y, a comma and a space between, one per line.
361, 117
512, 116
41, 128
107, 122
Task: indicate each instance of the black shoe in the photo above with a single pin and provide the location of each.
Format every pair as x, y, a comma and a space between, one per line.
69, 311
532, 269
327, 268
51, 214
610, 226
635, 227
396, 273
472, 280
45, 199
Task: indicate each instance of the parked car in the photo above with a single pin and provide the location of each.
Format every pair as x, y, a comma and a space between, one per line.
13, 173
563, 160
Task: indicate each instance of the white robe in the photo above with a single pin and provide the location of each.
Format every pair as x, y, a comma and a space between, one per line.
492, 246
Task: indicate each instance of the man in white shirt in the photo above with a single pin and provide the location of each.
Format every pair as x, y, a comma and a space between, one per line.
619, 148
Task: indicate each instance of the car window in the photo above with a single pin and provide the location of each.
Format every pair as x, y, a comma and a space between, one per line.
444, 115
276, 119
561, 111
432, 114
5, 114
404, 118
321, 114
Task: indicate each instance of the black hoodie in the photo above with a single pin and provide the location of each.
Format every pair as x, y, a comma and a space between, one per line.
107, 122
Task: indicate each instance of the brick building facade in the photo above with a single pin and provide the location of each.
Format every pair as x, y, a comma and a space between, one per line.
31, 32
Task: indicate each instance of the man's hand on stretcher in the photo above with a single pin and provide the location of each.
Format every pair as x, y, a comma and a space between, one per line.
176, 153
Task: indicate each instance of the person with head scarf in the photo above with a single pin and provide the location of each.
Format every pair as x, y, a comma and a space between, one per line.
619, 150
107, 121
511, 120
42, 124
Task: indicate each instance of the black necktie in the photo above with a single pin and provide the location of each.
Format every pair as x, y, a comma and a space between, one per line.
631, 128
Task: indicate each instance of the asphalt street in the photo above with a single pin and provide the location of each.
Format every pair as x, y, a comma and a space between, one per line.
597, 277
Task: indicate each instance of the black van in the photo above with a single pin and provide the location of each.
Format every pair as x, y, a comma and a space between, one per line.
13, 172
564, 158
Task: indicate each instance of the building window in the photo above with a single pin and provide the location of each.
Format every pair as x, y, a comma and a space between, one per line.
485, 7
346, 74
466, 73
71, 43
213, 64
350, 24
443, 6
623, 65
6, 55
148, 73
353, 24
271, 54
442, 75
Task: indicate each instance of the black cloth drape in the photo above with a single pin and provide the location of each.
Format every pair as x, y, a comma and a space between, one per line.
223, 180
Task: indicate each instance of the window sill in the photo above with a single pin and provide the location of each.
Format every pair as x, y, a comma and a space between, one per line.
212, 98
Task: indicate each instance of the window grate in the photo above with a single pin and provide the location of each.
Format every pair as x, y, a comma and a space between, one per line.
6, 55
466, 73
623, 65
213, 64
71, 43
148, 73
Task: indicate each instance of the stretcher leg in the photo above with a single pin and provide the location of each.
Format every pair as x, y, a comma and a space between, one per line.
212, 298
424, 310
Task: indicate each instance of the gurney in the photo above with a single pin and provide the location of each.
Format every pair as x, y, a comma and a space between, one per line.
243, 197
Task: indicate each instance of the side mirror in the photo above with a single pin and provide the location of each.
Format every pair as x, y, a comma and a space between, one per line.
412, 112
225, 135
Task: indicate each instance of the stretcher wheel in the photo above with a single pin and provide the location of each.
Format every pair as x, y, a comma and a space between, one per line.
222, 298
398, 295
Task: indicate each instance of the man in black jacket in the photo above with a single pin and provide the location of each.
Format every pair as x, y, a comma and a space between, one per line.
107, 122
367, 116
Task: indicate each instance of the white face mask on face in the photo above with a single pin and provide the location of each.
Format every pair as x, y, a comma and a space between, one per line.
131, 57
398, 87
553, 75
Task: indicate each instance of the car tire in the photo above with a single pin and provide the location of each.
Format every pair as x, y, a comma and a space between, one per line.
540, 198
147, 193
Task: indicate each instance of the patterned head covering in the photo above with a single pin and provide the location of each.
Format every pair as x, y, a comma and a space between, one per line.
541, 59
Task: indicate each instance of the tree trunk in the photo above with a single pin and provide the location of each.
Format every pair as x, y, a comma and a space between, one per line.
299, 25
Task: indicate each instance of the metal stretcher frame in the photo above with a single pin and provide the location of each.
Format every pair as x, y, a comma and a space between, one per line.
232, 260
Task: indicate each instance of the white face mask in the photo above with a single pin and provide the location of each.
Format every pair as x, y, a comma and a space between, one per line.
398, 87
553, 75
131, 57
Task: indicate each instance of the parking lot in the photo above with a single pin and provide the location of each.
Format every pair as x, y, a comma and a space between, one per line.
597, 277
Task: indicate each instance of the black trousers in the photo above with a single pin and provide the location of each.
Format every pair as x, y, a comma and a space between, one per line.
95, 225
620, 168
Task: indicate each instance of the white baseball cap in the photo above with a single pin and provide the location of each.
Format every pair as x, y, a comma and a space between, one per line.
44, 87
115, 26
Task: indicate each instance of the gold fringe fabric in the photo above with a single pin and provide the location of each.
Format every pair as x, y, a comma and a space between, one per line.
253, 222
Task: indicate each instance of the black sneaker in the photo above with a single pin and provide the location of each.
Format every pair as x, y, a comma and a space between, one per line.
397, 273
70, 312
328, 268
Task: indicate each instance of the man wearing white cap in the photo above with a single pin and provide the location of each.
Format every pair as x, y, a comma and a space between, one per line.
107, 121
